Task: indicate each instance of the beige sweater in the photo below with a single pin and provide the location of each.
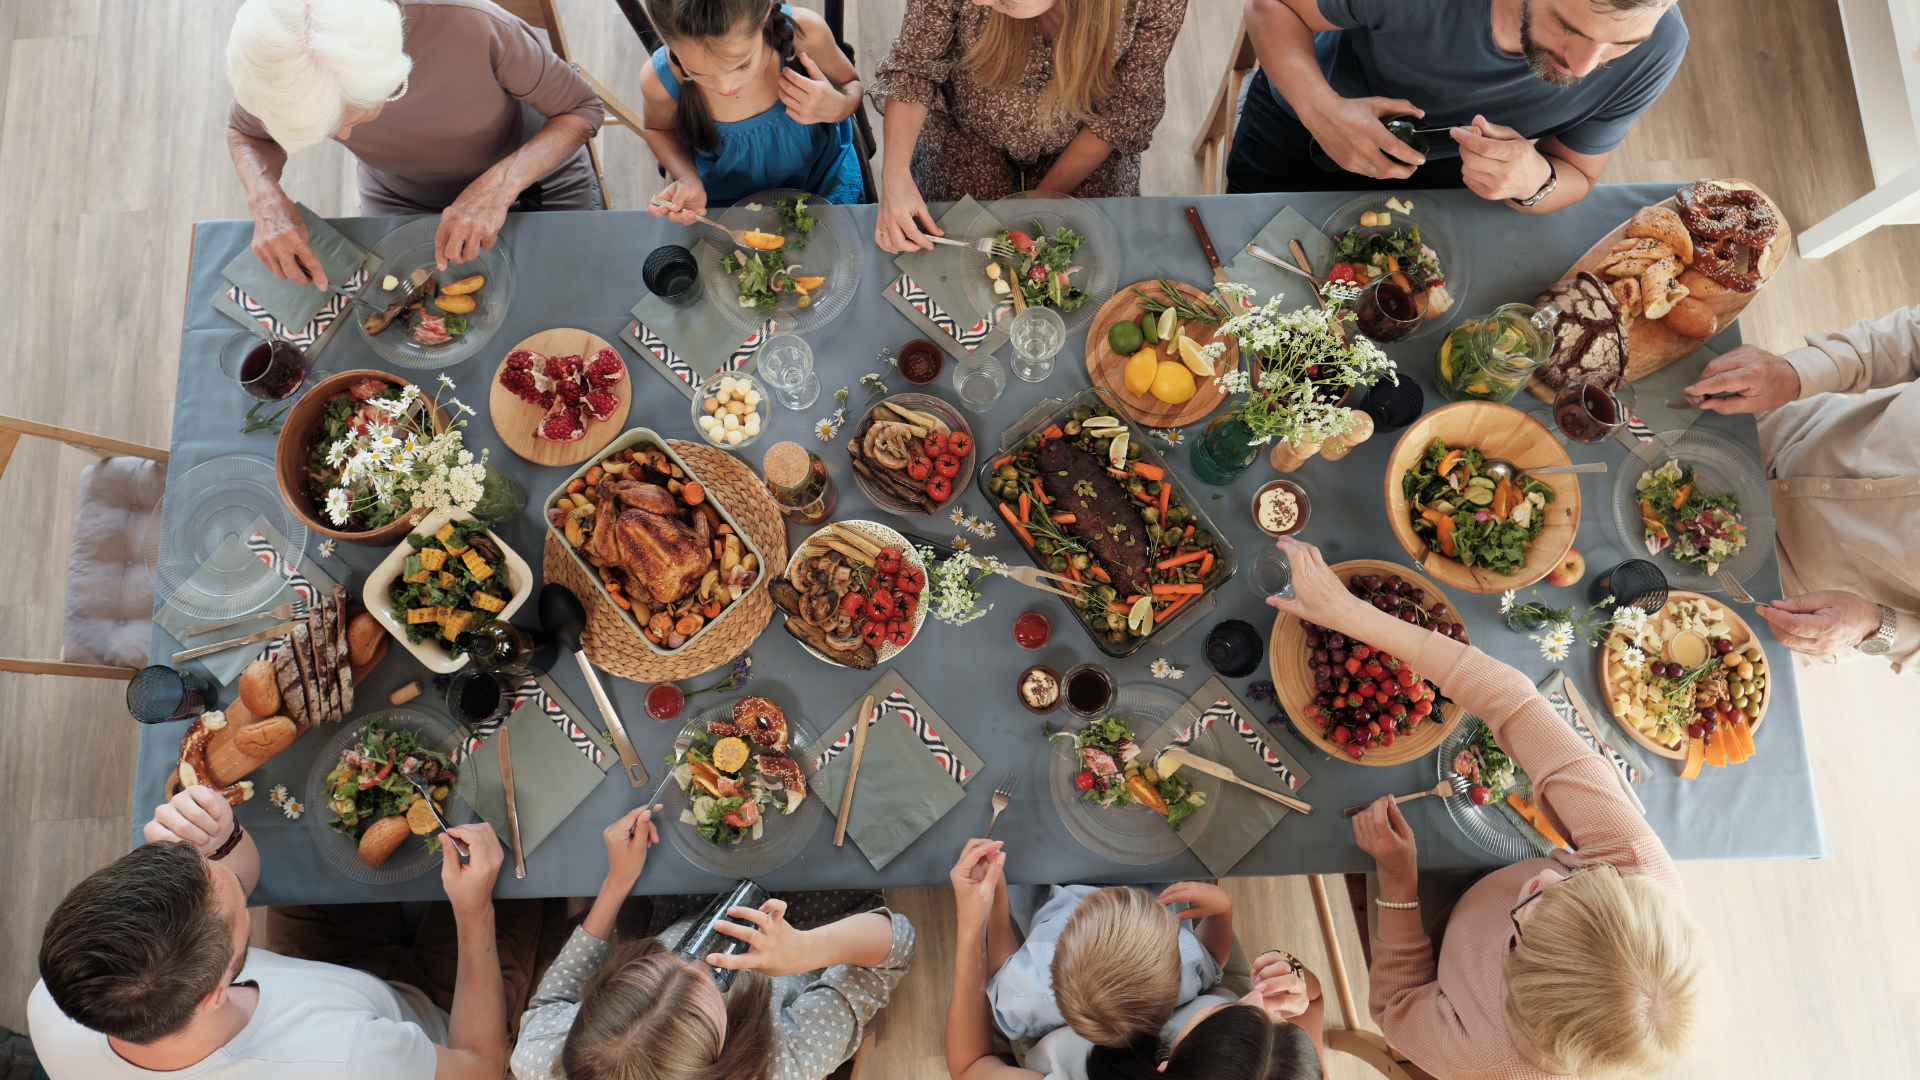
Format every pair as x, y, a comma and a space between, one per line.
1450, 1017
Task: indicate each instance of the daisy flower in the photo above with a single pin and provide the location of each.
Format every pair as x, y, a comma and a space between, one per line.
292, 809
446, 382
338, 503
1506, 601
824, 429
985, 530
1163, 668
960, 545
327, 547
1170, 436
1629, 618
1553, 649
959, 515
1632, 658
278, 795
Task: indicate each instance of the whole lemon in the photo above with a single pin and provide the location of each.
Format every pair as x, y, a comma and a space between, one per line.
1140, 370
1172, 383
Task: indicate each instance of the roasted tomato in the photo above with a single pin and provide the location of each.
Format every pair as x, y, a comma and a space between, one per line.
920, 468
909, 603
939, 488
1083, 780
899, 634
946, 465
852, 604
883, 604
874, 634
936, 444
888, 561
959, 443
911, 579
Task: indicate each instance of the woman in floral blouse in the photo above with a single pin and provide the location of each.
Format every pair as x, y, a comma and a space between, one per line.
992, 97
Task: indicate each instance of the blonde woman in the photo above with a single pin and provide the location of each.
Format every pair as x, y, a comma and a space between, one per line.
452, 106
992, 97
1583, 964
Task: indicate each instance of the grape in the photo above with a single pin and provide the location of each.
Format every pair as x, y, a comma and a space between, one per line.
1696, 729
1408, 616
1419, 595
1320, 656
1373, 581
1438, 609
1323, 699
1357, 581
1323, 670
1394, 583
1339, 656
1381, 603
1337, 641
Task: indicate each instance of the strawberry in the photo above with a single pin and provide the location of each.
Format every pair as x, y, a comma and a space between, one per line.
1361, 652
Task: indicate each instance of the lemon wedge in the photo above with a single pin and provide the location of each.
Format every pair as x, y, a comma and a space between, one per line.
1195, 360
1117, 451
1140, 616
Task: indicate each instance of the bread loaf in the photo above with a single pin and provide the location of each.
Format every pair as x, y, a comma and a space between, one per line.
265, 738
1589, 337
1692, 318
286, 673
363, 636
302, 646
260, 689
378, 843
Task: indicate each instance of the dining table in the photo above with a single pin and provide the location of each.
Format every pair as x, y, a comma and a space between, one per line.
583, 270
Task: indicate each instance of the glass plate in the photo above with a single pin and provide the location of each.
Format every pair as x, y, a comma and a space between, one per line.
1490, 830
1132, 834
216, 500
1721, 466
412, 858
1100, 255
833, 249
1436, 231
779, 842
409, 248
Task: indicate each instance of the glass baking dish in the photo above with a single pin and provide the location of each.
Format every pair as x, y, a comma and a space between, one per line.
1057, 411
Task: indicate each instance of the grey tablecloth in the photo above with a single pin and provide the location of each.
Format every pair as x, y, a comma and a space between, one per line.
581, 270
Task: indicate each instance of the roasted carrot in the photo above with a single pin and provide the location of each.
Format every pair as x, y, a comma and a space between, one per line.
1175, 590
1064, 519
1188, 533
1053, 432
1040, 496
1166, 494
1148, 472
692, 493
1161, 617
1026, 507
1132, 600
1168, 564
1096, 571
1071, 572
1116, 473
1118, 608
1206, 565
718, 547
1018, 529
1003, 461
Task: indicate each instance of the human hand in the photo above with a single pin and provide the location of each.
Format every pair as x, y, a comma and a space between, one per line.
470, 225
627, 842
197, 815
1757, 379
1350, 132
1498, 162
815, 100
775, 948
680, 201
905, 222
1319, 596
975, 877
1382, 833
470, 887
1202, 899
280, 243
1277, 988
1821, 623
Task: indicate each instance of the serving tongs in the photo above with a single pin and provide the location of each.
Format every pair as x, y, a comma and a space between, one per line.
1037, 578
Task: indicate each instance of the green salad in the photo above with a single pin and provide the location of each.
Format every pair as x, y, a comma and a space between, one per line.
1700, 527
452, 581
1043, 271
1464, 515
370, 782
1487, 768
1111, 774
769, 270
729, 793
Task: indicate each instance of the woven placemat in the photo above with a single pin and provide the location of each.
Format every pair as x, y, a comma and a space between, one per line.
610, 643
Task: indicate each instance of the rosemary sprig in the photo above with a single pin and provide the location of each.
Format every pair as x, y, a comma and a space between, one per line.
256, 422
1185, 308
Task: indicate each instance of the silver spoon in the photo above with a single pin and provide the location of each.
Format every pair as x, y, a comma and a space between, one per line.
1264, 255
1498, 469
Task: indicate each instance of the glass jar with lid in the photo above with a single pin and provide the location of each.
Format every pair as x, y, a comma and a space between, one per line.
798, 481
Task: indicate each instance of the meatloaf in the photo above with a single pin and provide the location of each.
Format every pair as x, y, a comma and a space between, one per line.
1104, 518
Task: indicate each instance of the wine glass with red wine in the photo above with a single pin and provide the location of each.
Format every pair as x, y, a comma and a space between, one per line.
1385, 311
1588, 410
268, 370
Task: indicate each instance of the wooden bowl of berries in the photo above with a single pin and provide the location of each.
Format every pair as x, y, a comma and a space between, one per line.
1321, 675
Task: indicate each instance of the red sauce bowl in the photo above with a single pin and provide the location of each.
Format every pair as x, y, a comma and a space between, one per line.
664, 701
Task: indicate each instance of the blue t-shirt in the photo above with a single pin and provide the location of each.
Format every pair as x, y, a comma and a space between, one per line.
1440, 55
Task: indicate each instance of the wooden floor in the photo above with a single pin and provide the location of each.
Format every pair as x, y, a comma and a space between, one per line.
111, 146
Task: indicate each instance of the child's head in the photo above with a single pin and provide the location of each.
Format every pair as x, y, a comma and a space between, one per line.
649, 1015
1116, 967
720, 47
1224, 1042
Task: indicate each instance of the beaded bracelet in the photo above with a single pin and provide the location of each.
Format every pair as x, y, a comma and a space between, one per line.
1409, 906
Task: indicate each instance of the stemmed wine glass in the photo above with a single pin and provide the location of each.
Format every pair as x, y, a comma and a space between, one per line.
1036, 335
786, 362
1590, 409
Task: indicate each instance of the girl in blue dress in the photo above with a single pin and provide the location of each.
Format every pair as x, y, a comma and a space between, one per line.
748, 95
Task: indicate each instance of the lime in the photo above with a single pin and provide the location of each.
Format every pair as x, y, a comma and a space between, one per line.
1125, 338
1149, 332
1167, 319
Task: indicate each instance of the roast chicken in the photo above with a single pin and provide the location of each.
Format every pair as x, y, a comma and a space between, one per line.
638, 527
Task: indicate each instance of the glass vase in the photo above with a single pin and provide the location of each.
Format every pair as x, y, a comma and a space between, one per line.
501, 498
1224, 449
1525, 620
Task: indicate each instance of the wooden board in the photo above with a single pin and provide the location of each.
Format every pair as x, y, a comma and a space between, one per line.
1650, 345
1107, 368
1738, 631
515, 420
1497, 431
1287, 654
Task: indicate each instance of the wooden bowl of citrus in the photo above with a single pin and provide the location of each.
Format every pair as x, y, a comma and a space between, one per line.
1163, 384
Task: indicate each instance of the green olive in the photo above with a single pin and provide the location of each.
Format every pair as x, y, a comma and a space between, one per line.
1739, 700
1751, 712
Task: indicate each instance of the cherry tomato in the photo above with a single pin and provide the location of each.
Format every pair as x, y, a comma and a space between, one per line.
1480, 794
874, 634
939, 488
885, 582
888, 561
909, 603
1021, 241
883, 604
1083, 780
959, 443
900, 635
936, 444
911, 579
946, 465
920, 468
852, 605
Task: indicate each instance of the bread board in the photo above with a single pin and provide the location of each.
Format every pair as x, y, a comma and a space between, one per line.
1107, 368
515, 419
1650, 344
1287, 654
1738, 632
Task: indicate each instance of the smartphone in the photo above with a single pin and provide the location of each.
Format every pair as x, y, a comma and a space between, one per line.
702, 940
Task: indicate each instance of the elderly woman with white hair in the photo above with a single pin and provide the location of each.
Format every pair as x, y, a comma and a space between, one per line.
1581, 964
438, 99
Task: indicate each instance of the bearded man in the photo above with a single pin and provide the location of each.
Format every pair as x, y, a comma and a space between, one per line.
1524, 100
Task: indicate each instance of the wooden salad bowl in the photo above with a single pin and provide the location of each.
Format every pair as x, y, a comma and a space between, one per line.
1497, 431
297, 434
1287, 656
1107, 368
1614, 682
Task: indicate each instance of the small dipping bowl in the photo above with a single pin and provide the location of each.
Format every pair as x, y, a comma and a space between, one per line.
920, 361
1300, 499
1032, 630
1059, 688
1233, 649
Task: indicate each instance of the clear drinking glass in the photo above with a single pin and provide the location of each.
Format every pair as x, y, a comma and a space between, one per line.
979, 381
786, 363
1272, 574
1588, 410
270, 371
1036, 335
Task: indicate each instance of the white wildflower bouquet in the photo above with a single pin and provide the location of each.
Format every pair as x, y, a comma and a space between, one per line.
387, 459
953, 585
1293, 359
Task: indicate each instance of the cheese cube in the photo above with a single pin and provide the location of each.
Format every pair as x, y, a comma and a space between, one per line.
433, 558
476, 565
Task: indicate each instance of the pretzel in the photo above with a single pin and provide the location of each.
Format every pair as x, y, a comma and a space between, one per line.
1719, 213
193, 759
1720, 262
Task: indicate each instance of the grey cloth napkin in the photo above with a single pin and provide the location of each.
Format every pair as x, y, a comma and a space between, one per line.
1240, 818
912, 771
294, 567
1266, 278
1651, 417
290, 303
666, 337
551, 777
931, 289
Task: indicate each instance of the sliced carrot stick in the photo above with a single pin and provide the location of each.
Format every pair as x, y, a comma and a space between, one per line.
1132, 600
1148, 472
1071, 572
1003, 461
1099, 573
1052, 432
1018, 529
1040, 496
1168, 564
1064, 519
1166, 495
1175, 590
1026, 507
1188, 533
1206, 565
1173, 607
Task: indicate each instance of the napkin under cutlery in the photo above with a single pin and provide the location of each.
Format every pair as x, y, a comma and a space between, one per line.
1240, 818
931, 290
556, 764
1267, 279
666, 336
1650, 420
305, 315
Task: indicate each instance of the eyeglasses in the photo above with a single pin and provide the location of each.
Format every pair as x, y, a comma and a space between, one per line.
1514, 915
402, 92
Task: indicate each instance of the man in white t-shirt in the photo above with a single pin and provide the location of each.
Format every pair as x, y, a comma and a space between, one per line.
145, 969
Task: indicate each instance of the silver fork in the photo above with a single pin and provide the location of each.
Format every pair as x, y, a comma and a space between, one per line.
680, 746
426, 792
1455, 784
986, 245
1002, 796
1738, 594
292, 609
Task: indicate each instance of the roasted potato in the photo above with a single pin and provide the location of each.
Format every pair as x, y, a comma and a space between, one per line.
464, 286
454, 303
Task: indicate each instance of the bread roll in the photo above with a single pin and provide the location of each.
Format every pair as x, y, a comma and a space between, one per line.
267, 737
1663, 224
1692, 318
377, 844
363, 636
1701, 286
260, 689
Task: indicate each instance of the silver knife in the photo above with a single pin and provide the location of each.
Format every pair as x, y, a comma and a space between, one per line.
1682, 404
223, 646
636, 772
513, 814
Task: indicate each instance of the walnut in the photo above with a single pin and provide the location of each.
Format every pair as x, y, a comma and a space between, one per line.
1711, 688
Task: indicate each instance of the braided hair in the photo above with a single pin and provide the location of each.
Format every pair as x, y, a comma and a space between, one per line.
713, 20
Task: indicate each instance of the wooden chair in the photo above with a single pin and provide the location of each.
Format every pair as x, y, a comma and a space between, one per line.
109, 607
1215, 140
543, 15
1368, 1046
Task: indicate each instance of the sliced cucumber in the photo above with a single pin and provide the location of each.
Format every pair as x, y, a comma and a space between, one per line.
1478, 496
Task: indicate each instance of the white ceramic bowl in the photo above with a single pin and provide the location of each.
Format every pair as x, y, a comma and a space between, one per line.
430, 653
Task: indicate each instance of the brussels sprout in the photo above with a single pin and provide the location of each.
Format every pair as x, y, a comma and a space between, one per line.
1150, 515
1201, 538
1177, 515
1118, 637
1057, 564
1137, 488
1032, 443
1116, 621
1008, 472
1082, 561
1134, 451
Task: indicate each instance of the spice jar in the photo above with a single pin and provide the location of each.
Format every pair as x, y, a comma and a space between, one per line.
798, 481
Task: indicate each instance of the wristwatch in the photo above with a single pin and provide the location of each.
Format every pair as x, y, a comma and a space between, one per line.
1546, 189
1882, 639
